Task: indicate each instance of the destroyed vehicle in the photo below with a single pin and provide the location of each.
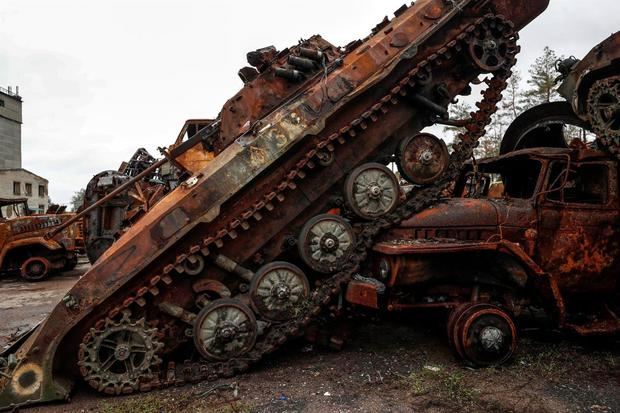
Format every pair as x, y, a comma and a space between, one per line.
240, 256
533, 227
24, 247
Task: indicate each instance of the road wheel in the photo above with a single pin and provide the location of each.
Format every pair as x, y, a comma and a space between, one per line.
35, 269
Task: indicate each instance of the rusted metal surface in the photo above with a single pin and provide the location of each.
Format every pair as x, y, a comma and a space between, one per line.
25, 249
551, 234
272, 174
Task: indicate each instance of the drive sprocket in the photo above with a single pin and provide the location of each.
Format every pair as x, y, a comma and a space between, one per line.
604, 112
117, 358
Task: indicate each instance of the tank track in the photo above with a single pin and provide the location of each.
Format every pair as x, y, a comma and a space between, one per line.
278, 334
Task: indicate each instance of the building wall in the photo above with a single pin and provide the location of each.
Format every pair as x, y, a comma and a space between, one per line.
14, 179
10, 131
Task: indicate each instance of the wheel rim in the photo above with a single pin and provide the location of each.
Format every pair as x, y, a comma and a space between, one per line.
488, 337
35, 269
457, 325
423, 159
372, 191
326, 242
278, 290
225, 329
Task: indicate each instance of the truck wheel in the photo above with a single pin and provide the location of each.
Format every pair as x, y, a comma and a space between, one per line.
35, 269
485, 335
541, 126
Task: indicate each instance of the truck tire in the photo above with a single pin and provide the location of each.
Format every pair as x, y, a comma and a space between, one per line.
35, 269
541, 126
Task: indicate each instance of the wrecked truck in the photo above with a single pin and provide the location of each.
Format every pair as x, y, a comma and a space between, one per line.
533, 228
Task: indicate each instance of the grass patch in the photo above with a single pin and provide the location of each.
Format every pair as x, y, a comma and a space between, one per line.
457, 390
162, 403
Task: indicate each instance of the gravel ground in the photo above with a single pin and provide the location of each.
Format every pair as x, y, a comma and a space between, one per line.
387, 366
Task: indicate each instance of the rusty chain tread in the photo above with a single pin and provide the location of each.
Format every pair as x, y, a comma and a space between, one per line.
328, 290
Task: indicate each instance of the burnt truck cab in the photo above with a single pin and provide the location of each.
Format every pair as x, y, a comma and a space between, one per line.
24, 246
534, 226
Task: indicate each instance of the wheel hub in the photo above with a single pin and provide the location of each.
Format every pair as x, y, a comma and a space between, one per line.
491, 338
329, 243
490, 45
227, 332
282, 292
375, 191
122, 352
426, 157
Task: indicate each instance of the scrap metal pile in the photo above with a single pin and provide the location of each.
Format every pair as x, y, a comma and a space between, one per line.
286, 204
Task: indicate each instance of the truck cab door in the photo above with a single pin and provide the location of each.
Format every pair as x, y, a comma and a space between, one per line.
579, 226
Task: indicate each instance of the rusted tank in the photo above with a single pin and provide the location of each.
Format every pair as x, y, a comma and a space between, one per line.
591, 87
547, 232
248, 250
24, 248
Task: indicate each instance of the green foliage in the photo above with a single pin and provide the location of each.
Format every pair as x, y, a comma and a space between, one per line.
77, 200
542, 85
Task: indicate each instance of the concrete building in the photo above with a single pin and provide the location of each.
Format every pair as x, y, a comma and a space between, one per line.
16, 182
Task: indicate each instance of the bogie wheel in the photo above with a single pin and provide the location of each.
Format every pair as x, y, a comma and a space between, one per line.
35, 269
551, 125
422, 159
326, 243
486, 335
225, 329
278, 290
372, 190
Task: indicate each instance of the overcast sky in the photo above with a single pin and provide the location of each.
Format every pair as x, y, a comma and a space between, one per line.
101, 78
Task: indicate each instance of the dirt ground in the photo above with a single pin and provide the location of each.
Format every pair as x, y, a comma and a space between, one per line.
387, 366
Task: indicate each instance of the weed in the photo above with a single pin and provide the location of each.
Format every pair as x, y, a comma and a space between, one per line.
457, 390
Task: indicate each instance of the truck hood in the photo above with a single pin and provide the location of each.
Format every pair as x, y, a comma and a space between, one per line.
458, 212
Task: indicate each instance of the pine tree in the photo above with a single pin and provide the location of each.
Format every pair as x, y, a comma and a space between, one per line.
542, 85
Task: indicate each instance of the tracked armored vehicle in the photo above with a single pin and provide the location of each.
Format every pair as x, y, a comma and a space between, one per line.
246, 252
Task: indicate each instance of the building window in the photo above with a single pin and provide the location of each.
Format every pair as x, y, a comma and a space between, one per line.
41, 191
41, 209
1, 103
28, 189
17, 188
